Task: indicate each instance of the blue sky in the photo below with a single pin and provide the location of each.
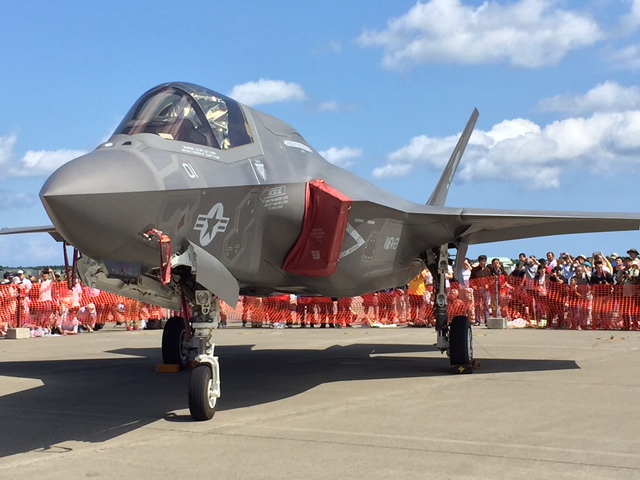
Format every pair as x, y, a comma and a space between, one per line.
382, 88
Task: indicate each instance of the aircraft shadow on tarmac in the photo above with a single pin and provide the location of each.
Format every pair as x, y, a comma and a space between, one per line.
96, 400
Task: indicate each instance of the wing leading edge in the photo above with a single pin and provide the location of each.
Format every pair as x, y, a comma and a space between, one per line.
50, 229
485, 226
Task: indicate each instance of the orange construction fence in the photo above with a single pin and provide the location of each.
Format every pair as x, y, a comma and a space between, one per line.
54, 305
522, 303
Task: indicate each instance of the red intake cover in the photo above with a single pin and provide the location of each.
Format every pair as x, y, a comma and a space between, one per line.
317, 251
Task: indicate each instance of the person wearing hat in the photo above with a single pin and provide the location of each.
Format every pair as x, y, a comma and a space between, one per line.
633, 253
615, 260
617, 265
28, 285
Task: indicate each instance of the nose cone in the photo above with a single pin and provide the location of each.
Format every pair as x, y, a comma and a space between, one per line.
100, 203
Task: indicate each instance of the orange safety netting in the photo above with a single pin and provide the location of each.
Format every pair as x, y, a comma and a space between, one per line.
523, 303
59, 307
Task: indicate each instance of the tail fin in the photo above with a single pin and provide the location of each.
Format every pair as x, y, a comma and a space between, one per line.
439, 195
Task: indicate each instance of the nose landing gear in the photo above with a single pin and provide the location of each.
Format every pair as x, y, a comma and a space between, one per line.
180, 346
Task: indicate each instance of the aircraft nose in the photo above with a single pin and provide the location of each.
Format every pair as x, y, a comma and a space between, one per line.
100, 202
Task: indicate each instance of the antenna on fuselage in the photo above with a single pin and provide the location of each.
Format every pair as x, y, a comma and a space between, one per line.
439, 195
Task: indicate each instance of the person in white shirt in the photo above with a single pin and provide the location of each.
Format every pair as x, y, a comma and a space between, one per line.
45, 303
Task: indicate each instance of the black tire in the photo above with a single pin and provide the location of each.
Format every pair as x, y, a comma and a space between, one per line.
460, 341
174, 348
201, 405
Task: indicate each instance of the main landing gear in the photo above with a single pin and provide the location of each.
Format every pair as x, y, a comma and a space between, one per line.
456, 339
182, 344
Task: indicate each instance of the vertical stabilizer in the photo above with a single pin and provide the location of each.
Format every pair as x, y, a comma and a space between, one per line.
439, 195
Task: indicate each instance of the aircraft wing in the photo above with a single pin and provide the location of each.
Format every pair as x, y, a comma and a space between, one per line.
50, 229
485, 226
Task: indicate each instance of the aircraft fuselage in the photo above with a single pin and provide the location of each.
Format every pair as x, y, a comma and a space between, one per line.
245, 205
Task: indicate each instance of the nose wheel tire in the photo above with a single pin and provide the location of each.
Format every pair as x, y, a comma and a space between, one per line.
202, 402
175, 346
460, 341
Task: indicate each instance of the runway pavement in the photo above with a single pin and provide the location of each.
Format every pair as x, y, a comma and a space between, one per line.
325, 404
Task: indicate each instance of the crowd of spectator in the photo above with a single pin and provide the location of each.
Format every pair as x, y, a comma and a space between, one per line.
47, 306
566, 291
575, 292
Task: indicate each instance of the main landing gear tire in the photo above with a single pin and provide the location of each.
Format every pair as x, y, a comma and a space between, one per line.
460, 341
175, 346
202, 403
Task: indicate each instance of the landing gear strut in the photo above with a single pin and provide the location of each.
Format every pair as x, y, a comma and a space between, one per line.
455, 339
204, 387
180, 346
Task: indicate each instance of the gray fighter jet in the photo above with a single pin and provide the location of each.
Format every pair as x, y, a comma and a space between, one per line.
197, 198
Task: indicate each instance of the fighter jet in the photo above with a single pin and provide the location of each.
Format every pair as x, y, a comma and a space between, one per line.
196, 199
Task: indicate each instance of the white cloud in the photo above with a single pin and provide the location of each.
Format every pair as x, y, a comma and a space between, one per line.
522, 153
44, 162
393, 170
421, 147
343, 157
606, 97
266, 91
32, 164
7, 145
333, 106
631, 21
526, 33
627, 58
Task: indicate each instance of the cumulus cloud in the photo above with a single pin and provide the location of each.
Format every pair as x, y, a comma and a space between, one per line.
523, 153
606, 97
343, 157
32, 164
266, 91
525, 33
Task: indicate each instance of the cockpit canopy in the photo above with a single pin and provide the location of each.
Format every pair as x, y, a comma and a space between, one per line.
188, 113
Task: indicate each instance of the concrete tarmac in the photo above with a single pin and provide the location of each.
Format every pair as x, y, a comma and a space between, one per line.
325, 404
